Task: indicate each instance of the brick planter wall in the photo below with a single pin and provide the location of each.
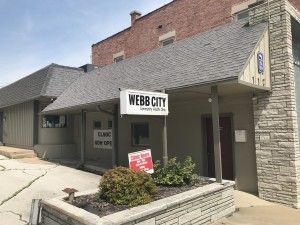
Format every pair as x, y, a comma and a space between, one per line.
199, 206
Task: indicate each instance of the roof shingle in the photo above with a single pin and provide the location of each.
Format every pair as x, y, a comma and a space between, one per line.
50, 81
213, 56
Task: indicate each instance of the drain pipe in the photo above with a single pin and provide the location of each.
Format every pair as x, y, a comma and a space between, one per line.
82, 137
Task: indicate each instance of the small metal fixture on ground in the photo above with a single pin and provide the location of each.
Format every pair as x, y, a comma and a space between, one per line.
71, 192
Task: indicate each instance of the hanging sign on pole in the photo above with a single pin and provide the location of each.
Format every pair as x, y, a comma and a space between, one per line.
135, 102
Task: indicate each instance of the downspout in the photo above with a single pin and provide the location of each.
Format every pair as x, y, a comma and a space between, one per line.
82, 137
115, 144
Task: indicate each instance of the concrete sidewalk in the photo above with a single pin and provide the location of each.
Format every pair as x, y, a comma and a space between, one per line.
25, 179
253, 211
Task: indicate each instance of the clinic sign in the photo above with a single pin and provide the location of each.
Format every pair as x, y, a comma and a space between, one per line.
141, 161
135, 102
103, 139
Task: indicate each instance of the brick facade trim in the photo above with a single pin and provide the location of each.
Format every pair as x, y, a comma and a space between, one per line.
186, 17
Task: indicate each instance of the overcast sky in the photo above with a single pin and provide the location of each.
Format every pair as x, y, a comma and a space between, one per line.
35, 33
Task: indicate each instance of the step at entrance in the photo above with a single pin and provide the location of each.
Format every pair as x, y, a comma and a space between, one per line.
16, 153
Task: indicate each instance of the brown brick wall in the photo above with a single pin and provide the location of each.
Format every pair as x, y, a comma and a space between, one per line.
187, 17
296, 3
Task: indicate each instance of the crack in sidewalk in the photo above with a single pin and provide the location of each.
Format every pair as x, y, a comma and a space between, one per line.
25, 187
3, 168
40, 169
16, 214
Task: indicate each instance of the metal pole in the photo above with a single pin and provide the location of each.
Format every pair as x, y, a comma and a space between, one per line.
165, 142
115, 131
82, 134
216, 133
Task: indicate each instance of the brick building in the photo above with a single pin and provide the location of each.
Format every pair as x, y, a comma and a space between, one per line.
177, 20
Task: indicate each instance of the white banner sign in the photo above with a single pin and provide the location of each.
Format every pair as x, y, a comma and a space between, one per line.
144, 103
103, 139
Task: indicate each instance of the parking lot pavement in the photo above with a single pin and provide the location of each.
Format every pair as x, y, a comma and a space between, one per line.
26, 179
253, 211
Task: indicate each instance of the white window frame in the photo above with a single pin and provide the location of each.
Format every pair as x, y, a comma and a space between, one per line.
166, 37
118, 55
242, 7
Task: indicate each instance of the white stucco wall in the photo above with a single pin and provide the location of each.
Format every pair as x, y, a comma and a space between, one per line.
185, 136
100, 156
18, 125
55, 143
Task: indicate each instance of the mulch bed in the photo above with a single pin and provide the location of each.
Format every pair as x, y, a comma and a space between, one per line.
92, 204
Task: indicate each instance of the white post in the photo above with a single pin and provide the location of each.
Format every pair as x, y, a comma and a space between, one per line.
216, 133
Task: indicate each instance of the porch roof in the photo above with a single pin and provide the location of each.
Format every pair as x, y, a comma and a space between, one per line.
214, 56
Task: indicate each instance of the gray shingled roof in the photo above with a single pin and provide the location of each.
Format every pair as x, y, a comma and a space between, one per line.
50, 81
213, 56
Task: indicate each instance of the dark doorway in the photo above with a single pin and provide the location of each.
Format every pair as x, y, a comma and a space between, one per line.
226, 147
1, 127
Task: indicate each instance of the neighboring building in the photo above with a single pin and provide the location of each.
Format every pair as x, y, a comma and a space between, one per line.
175, 21
20, 106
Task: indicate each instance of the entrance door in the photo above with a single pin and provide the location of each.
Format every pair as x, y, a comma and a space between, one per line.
226, 147
1, 127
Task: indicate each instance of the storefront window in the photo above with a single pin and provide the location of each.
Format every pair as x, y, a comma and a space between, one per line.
54, 121
109, 124
140, 134
97, 125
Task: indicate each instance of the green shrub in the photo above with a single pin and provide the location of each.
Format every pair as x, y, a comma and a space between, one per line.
122, 186
174, 173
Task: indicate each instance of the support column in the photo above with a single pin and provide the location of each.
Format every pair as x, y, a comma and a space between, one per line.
165, 142
216, 133
115, 132
82, 136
